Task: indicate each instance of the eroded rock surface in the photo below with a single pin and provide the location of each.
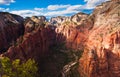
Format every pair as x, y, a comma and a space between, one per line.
34, 45
75, 35
101, 57
11, 27
98, 34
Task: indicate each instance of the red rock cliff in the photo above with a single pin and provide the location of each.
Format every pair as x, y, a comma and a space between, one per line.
74, 33
34, 44
98, 34
101, 57
11, 28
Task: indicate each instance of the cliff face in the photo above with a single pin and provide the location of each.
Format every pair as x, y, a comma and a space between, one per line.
77, 18
37, 43
34, 44
58, 20
74, 33
32, 23
102, 48
11, 27
98, 34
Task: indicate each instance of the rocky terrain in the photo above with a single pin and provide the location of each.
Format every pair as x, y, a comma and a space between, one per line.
11, 27
102, 48
78, 46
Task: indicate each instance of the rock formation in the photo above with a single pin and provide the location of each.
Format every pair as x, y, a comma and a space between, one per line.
101, 57
32, 23
77, 18
11, 27
98, 34
75, 32
58, 20
35, 44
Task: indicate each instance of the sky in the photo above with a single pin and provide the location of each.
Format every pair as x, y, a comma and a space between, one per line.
48, 8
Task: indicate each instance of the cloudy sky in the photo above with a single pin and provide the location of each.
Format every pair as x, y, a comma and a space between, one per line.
48, 8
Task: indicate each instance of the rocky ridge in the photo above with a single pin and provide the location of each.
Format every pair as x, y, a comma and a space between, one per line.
11, 27
101, 52
97, 34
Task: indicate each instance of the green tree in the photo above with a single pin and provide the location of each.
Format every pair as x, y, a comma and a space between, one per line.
15, 68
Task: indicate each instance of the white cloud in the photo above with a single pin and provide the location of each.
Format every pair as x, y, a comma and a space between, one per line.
4, 9
57, 7
27, 13
67, 9
58, 10
91, 4
60, 13
6, 2
74, 7
39, 9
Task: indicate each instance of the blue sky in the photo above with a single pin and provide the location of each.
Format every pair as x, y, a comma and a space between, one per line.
49, 8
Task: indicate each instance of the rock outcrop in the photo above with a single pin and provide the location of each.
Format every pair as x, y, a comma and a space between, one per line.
59, 20
11, 27
72, 34
101, 57
32, 23
35, 44
98, 34
77, 18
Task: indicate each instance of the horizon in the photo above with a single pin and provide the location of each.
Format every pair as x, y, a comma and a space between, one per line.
48, 8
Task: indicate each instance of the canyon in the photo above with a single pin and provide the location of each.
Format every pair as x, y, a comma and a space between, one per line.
83, 45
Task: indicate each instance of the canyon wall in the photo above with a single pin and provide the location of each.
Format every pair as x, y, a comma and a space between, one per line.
101, 57
98, 34
33, 44
11, 27
75, 32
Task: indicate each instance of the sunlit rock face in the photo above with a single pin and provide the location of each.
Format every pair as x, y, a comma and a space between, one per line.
32, 23
98, 34
11, 27
38, 19
35, 42
57, 21
101, 57
74, 32
79, 18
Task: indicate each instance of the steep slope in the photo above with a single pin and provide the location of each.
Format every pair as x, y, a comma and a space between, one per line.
74, 33
98, 34
101, 57
11, 27
38, 43
33, 44
32, 23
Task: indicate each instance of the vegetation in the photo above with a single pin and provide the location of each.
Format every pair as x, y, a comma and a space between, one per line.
70, 56
15, 68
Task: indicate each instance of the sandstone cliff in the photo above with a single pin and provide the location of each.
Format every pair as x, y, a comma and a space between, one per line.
32, 23
98, 34
37, 43
33, 44
101, 57
75, 32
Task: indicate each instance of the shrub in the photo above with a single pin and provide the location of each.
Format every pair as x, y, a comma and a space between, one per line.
16, 69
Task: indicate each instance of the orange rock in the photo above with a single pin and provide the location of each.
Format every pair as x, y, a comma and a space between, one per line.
101, 58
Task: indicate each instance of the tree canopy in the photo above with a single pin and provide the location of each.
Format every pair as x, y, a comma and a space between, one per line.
15, 68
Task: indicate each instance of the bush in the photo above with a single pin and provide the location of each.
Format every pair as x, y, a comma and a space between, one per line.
16, 69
